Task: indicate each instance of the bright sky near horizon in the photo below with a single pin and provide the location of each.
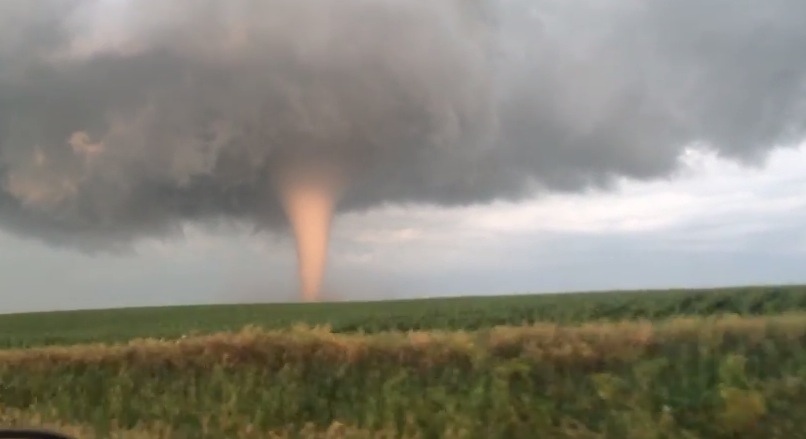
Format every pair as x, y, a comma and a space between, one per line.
716, 223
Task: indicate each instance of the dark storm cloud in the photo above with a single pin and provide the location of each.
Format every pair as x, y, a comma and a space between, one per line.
123, 119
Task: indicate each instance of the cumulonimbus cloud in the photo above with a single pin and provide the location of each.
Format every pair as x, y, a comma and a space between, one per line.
123, 119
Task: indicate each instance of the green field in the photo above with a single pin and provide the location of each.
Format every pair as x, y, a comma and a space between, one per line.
467, 313
721, 364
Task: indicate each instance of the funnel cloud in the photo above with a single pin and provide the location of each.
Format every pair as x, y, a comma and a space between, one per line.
124, 119
309, 192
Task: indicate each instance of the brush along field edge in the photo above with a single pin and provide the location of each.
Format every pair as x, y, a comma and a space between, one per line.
715, 377
543, 342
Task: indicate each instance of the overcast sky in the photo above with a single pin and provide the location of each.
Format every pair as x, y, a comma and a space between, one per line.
715, 223
128, 127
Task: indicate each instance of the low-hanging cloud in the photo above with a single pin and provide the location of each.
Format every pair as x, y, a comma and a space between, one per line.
124, 119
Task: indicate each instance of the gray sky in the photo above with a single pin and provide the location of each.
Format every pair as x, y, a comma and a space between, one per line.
716, 223
483, 146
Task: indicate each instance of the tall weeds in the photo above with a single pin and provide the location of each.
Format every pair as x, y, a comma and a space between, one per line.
726, 377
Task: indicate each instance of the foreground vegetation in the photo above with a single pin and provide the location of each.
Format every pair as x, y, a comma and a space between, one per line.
695, 377
465, 313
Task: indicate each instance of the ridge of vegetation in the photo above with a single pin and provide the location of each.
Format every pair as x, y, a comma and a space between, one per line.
686, 377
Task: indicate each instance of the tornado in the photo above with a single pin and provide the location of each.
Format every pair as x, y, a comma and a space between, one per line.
309, 194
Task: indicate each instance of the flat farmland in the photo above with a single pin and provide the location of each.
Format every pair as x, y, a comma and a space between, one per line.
461, 313
727, 363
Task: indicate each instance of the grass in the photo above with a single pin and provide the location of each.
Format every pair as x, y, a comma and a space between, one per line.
727, 363
714, 377
466, 313
18, 418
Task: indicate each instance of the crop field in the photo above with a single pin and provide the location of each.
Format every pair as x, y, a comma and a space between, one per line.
666, 364
463, 313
